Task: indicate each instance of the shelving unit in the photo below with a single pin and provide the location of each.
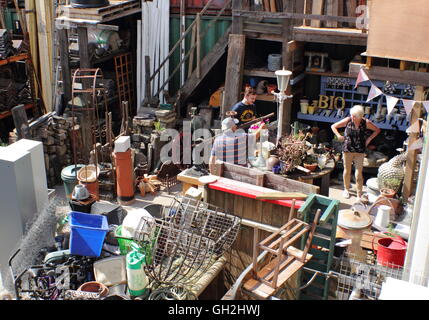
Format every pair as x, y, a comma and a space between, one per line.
19, 57
9, 113
353, 97
4, 62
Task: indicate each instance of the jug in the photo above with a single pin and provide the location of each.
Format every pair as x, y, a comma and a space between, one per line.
383, 216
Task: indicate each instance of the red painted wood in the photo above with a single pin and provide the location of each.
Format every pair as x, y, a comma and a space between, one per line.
249, 191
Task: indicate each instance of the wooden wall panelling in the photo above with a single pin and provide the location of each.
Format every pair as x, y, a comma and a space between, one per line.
332, 9
351, 11
317, 8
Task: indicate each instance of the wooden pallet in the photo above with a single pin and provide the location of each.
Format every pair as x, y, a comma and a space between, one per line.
116, 8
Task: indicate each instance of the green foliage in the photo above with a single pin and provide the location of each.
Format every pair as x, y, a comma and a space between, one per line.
158, 126
392, 183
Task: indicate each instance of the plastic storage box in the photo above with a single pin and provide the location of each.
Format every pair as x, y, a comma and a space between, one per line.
87, 233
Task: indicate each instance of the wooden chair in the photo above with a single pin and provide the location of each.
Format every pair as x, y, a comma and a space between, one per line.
266, 276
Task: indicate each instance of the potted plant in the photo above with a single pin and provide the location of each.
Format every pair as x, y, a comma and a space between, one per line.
387, 192
310, 162
392, 184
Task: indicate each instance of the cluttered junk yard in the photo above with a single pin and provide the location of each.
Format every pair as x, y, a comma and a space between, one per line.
214, 150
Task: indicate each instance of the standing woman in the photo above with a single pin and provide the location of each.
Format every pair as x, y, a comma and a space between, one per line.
354, 145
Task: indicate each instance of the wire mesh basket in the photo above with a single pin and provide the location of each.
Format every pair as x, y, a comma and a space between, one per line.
359, 280
180, 247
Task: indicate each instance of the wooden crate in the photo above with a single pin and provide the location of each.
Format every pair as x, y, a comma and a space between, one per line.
265, 179
323, 244
116, 7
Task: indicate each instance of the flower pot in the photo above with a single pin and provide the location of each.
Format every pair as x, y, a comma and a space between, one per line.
388, 193
310, 166
96, 287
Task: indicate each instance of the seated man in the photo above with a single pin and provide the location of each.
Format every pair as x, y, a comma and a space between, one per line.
233, 145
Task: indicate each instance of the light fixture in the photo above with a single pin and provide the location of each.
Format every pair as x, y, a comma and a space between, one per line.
283, 78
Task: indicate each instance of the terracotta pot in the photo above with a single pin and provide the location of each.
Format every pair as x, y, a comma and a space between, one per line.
388, 193
310, 166
94, 286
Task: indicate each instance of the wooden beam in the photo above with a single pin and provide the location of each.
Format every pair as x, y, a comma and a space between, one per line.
330, 35
413, 137
234, 71
289, 15
391, 74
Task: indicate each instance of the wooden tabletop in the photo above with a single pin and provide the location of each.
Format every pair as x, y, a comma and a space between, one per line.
330, 166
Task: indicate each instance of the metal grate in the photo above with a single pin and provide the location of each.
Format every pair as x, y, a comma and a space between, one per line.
363, 280
180, 247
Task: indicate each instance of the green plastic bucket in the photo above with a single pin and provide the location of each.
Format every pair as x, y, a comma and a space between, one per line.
68, 175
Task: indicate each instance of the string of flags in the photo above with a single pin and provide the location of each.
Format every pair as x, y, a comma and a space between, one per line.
391, 102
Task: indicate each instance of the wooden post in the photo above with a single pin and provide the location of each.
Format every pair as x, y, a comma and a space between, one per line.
65, 64
85, 62
21, 121
234, 72
284, 116
412, 154
255, 251
237, 22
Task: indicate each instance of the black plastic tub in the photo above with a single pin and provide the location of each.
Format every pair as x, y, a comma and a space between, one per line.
89, 3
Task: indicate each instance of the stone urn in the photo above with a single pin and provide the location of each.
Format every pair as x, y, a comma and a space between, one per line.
272, 162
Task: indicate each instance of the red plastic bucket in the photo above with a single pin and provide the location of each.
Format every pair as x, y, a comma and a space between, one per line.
391, 251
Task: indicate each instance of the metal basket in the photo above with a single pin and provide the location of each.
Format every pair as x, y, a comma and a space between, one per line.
183, 245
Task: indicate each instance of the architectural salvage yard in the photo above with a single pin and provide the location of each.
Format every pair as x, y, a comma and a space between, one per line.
217, 150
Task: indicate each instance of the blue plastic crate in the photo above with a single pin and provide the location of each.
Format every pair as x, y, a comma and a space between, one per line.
87, 233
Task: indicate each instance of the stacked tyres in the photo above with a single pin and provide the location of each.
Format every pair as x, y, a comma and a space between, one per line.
89, 3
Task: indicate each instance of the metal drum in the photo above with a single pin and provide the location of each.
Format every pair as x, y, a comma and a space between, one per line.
89, 3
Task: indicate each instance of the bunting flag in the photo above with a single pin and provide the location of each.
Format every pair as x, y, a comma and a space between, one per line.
414, 128
362, 77
408, 105
374, 93
391, 103
418, 144
426, 104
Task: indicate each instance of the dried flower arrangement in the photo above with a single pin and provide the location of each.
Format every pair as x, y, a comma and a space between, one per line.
291, 150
